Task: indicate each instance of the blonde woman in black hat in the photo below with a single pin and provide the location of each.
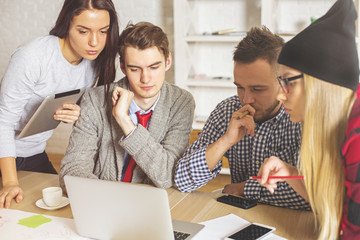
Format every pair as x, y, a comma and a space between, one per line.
319, 76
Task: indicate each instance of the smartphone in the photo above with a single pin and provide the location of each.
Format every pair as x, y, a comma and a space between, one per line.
254, 231
237, 201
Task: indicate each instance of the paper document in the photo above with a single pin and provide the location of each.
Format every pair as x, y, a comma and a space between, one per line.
219, 228
20, 225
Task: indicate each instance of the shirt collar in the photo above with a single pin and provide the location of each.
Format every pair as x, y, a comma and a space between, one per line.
279, 115
135, 108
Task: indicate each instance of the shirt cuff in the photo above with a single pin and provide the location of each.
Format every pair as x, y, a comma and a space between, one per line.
199, 168
252, 189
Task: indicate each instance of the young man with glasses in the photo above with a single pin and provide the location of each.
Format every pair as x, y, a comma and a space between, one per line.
247, 128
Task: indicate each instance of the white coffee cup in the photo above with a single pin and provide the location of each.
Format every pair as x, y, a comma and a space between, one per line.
52, 196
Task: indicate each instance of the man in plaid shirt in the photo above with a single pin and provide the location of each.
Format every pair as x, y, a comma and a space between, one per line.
247, 128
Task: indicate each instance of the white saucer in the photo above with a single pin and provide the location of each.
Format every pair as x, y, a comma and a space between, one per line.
40, 203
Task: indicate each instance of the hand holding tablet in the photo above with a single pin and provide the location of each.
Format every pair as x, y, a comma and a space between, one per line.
68, 113
43, 119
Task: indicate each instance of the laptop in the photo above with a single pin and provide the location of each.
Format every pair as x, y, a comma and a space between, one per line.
43, 118
116, 210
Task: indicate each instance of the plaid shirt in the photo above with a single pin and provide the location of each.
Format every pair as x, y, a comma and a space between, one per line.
275, 137
350, 223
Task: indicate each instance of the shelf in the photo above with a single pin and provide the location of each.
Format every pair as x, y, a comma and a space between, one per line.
286, 37
214, 38
225, 38
210, 82
202, 61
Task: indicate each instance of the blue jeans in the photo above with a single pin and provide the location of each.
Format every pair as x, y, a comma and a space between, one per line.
37, 163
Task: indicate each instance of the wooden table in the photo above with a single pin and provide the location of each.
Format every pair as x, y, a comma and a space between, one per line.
193, 207
291, 224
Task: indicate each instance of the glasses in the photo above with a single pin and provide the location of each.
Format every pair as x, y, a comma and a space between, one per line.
284, 82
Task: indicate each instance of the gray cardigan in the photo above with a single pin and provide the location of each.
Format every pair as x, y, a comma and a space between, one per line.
96, 150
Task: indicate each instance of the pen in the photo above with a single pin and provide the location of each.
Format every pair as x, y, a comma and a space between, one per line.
242, 115
279, 177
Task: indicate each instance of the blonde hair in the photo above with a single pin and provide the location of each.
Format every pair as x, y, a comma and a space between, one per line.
327, 110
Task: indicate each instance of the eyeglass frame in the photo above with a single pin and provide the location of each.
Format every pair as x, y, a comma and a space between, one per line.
284, 82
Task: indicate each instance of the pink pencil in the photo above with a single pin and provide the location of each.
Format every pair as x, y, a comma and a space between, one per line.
279, 177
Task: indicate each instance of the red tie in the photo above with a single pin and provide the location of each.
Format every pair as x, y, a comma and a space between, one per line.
143, 120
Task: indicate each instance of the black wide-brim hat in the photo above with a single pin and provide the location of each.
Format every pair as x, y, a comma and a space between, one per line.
326, 49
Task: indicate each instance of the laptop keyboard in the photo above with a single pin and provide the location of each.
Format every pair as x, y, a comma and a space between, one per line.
180, 235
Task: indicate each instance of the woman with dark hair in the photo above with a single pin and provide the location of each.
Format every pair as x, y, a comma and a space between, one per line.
104, 64
79, 53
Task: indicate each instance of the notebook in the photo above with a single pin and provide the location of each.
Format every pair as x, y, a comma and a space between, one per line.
116, 210
43, 118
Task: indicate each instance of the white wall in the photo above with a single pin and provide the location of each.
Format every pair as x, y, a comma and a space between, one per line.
23, 20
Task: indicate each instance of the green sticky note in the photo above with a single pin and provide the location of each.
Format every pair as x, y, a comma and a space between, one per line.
34, 221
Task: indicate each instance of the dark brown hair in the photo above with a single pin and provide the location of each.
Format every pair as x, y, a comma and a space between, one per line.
141, 36
105, 62
259, 43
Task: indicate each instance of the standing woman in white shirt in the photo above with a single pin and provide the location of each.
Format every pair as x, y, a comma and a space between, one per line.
79, 52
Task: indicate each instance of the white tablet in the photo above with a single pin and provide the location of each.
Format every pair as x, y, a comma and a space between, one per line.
43, 119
